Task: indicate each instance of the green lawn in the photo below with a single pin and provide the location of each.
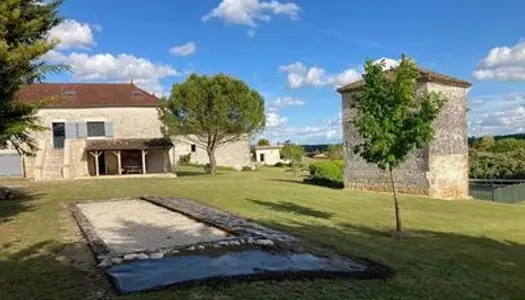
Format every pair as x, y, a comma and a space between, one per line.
456, 249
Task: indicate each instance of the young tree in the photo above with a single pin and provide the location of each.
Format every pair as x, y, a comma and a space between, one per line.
335, 152
263, 142
292, 152
213, 111
392, 120
24, 27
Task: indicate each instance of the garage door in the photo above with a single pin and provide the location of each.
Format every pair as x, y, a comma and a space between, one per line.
10, 164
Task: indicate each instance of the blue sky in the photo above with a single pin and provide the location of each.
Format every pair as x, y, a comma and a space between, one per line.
295, 53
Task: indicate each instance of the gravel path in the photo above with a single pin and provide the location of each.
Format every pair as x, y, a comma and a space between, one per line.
136, 225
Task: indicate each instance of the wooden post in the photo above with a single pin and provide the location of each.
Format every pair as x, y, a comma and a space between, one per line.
144, 152
119, 161
95, 155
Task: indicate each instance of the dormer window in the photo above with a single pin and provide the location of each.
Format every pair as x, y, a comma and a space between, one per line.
137, 93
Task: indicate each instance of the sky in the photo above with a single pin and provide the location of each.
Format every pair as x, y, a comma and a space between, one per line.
297, 52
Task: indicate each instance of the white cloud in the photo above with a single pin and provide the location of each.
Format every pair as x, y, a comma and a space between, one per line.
274, 120
299, 75
114, 68
388, 63
251, 12
184, 50
287, 101
497, 114
326, 131
73, 34
503, 63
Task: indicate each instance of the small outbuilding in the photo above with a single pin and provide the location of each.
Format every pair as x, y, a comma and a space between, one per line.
268, 155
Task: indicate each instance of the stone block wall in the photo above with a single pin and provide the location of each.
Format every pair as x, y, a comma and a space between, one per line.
439, 170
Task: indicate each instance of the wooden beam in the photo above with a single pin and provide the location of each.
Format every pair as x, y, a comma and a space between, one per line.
119, 161
144, 152
95, 155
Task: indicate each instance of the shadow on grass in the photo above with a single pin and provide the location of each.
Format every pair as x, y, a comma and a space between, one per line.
306, 181
293, 208
19, 201
51, 270
188, 173
428, 264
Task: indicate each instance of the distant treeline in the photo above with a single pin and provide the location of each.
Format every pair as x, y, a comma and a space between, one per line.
518, 136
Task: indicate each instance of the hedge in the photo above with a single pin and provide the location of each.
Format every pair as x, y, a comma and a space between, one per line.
327, 173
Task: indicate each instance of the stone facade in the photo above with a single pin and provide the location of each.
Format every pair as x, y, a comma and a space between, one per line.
439, 170
235, 155
75, 162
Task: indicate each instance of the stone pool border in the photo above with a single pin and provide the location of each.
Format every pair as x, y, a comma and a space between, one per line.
248, 235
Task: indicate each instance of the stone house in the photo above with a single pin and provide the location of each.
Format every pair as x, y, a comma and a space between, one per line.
94, 130
440, 169
268, 155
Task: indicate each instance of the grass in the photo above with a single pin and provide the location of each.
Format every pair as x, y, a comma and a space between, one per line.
456, 249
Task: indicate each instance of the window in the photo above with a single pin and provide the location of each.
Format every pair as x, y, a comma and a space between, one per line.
95, 129
193, 148
261, 157
69, 93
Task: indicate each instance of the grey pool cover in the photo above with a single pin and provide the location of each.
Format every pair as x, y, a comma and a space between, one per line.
146, 275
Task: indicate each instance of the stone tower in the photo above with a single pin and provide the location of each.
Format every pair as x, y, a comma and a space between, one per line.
441, 169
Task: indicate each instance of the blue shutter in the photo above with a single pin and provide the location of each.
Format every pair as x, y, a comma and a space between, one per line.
108, 128
81, 129
71, 130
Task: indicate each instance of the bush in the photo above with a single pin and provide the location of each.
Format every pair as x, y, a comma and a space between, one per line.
328, 173
247, 168
488, 165
207, 168
185, 159
280, 165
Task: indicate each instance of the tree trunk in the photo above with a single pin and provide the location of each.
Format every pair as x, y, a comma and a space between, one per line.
213, 162
396, 204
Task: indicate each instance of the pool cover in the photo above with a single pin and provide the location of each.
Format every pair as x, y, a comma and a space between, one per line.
144, 275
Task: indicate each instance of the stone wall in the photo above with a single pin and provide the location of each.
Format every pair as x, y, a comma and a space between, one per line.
440, 170
236, 154
448, 152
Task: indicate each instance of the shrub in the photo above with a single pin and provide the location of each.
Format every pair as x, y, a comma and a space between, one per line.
280, 165
207, 168
328, 173
487, 165
185, 159
247, 168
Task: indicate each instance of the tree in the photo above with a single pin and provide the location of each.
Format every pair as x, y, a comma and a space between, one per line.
392, 119
485, 143
292, 152
24, 27
335, 152
212, 112
263, 142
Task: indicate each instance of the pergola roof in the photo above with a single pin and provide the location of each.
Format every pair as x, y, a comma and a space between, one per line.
127, 144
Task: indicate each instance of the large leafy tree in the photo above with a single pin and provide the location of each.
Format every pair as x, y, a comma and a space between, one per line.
24, 27
213, 111
392, 119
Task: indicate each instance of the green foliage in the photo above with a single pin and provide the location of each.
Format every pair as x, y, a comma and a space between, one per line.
327, 173
24, 26
484, 143
263, 142
392, 119
503, 165
185, 159
335, 152
292, 152
213, 111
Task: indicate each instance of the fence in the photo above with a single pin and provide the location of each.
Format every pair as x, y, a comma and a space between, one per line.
497, 190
